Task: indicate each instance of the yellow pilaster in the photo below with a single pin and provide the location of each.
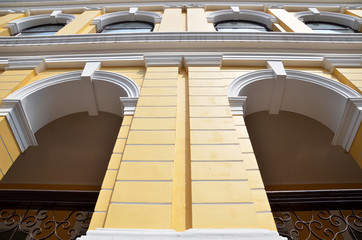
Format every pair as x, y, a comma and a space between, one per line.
221, 194
7, 18
289, 22
142, 196
12, 80
108, 185
9, 149
172, 20
80, 24
352, 77
354, 12
196, 21
181, 211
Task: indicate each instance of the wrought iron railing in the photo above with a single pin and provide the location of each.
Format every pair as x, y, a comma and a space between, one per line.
324, 215
35, 215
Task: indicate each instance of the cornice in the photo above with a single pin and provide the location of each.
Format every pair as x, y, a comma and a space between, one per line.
183, 42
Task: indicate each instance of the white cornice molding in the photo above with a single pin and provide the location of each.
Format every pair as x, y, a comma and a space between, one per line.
237, 105
18, 25
353, 22
14, 112
185, 42
124, 16
36, 63
129, 105
165, 60
331, 62
246, 15
202, 60
190, 234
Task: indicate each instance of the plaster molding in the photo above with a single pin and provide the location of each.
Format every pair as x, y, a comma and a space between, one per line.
125, 16
18, 25
36, 63
34, 105
87, 83
190, 234
353, 22
200, 60
19, 123
166, 60
280, 80
235, 14
129, 105
331, 62
312, 43
237, 105
349, 124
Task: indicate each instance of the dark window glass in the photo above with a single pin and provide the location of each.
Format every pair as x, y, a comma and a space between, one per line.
240, 26
42, 30
324, 27
128, 27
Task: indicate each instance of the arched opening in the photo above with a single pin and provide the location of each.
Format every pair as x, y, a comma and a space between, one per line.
72, 154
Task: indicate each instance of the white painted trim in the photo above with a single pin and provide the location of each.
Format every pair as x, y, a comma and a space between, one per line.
18, 25
19, 123
331, 62
19, 105
125, 16
237, 105
87, 78
167, 60
280, 80
190, 234
350, 119
129, 105
243, 15
34, 63
352, 22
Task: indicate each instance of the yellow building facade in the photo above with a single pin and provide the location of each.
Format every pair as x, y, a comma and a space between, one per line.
181, 163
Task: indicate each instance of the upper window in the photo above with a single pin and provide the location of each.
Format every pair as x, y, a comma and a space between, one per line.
42, 30
240, 26
128, 27
324, 27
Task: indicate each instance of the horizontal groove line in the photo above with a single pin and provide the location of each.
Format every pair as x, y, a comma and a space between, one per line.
139, 203
159, 87
143, 180
153, 117
153, 130
211, 129
224, 203
100, 211
110, 189
157, 95
151, 144
252, 169
147, 160
116, 153
155, 106
257, 189
263, 212
219, 180
217, 160
212, 144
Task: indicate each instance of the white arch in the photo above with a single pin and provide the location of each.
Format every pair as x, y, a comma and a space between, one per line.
18, 25
330, 102
243, 15
33, 106
352, 22
125, 16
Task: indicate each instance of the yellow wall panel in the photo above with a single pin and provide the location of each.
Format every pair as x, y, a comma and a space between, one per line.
155, 111
266, 221
261, 200
160, 83
205, 83
79, 23
216, 170
103, 200
151, 137
224, 216
172, 21
212, 123
196, 21
10, 17
220, 192
8, 138
97, 220
154, 123
209, 111
114, 161
123, 132
109, 179
215, 152
156, 101
138, 216
159, 91
119, 145
170, 75
207, 91
213, 137
289, 22
149, 152
209, 101
145, 171
5, 159
255, 180
142, 192
354, 12
5, 32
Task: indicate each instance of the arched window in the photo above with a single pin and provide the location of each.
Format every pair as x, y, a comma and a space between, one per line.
240, 26
128, 27
325, 27
42, 30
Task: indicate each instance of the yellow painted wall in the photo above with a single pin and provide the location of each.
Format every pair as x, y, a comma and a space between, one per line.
7, 18
352, 77
80, 24
173, 20
289, 22
9, 149
196, 21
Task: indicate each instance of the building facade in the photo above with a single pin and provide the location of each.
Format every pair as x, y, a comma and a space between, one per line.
182, 115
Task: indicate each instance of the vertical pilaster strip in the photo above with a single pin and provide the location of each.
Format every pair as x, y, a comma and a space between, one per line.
221, 196
289, 22
196, 21
181, 212
80, 23
142, 195
352, 77
4, 31
172, 21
